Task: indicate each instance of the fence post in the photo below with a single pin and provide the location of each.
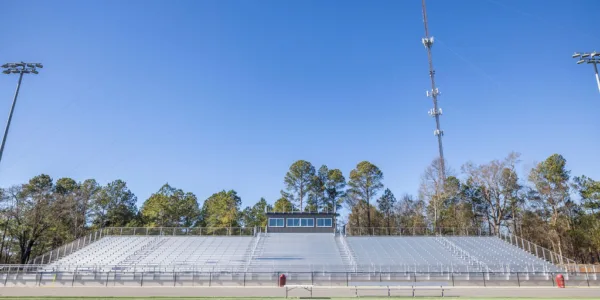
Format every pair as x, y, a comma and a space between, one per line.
74, 275
484, 284
587, 278
7, 273
39, 278
209, 278
452, 278
518, 280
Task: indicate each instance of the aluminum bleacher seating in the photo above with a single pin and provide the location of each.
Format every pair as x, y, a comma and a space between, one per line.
300, 252
304, 252
500, 255
400, 254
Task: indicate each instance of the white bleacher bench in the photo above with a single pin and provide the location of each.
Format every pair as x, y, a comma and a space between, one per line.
301, 286
413, 286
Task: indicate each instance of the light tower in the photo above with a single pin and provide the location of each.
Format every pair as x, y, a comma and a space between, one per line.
16, 68
590, 58
435, 112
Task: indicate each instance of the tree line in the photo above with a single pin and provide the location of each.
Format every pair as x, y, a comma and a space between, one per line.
548, 206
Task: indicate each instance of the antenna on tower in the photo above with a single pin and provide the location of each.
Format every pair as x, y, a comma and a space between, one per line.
435, 112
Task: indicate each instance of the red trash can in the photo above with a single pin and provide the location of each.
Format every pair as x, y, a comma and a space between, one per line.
281, 280
560, 281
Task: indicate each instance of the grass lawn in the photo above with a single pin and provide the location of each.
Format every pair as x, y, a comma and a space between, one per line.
269, 298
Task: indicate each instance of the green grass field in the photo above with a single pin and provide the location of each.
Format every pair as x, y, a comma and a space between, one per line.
256, 298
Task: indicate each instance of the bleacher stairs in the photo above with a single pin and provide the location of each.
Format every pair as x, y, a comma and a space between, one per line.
346, 253
133, 259
471, 261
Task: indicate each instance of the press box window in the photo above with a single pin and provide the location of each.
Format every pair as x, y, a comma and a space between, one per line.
307, 222
293, 223
297, 222
325, 222
275, 222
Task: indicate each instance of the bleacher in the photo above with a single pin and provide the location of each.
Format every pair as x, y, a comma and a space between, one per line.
401, 254
297, 252
108, 251
304, 252
498, 254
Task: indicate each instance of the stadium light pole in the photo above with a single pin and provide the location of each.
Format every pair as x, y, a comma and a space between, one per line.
590, 58
16, 68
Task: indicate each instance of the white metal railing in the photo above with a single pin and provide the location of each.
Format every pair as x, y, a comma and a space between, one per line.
64, 250
180, 231
414, 231
348, 251
540, 252
249, 261
234, 267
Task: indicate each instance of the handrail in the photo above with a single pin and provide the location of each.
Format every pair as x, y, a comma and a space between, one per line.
177, 231
508, 238
252, 252
414, 231
233, 266
55, 254
348, 251
470, 256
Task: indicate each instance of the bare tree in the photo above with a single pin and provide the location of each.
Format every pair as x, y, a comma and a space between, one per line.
431, 189
495, 186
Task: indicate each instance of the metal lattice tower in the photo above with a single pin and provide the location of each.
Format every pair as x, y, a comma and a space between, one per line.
435, 112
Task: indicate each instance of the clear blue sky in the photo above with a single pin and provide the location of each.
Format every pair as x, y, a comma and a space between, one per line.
212, 95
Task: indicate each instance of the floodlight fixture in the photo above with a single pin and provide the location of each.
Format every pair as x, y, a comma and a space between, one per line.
16, 68
590, 58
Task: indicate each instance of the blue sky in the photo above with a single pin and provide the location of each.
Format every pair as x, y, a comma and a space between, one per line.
212, 95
